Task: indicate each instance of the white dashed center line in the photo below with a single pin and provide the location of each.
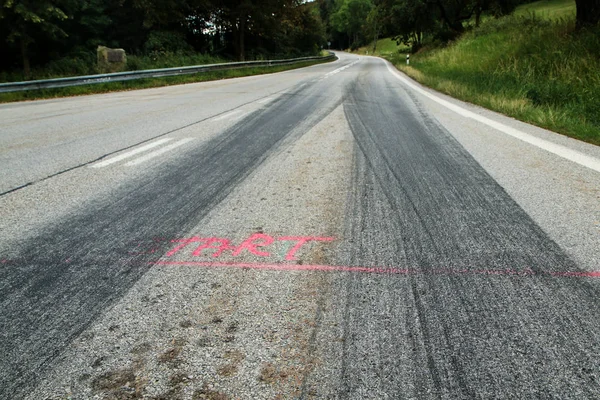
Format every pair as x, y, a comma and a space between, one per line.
231, 115
130, 153
158, 152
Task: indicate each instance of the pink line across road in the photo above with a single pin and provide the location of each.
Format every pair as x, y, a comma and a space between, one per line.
377, 270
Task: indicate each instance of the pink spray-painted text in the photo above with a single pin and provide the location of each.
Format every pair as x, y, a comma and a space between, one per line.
258, 244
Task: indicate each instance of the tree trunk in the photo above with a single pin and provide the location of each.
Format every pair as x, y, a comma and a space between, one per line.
588, 12
242, 44
455, 24
25, 57
375, 38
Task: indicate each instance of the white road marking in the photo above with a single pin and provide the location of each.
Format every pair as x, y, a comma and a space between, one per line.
158, 152
235, 114
129, 154
265, 100
557, 149
335, 71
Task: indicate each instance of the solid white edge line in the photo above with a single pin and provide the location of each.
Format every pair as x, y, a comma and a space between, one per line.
129, 154
158, 152
557, 149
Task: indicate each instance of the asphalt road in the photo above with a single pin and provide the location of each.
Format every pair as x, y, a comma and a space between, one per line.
327, 232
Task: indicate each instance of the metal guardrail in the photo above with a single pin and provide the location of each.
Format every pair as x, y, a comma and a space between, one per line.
149, 73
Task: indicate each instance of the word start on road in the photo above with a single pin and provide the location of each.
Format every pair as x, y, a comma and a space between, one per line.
256, 244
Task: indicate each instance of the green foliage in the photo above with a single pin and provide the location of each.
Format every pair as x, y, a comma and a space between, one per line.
308, 34
413, 21
48, 31
24, 17
76, 66
168, 60
164, 42
548, 9
386, 47
350, 18
162, 13
260, 25
588, 13
25, 20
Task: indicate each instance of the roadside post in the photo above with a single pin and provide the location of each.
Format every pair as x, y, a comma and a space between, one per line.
408, 59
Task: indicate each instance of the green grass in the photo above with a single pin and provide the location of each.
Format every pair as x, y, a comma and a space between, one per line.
138, 63
548, 9
146, 83
386, 47
551, 10
535, 69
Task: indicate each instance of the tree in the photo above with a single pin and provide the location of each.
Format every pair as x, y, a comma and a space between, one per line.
374, 24
588, 13
327, 8
43, 31
350, 18
411, 20
300, 30
255, 21
162, 14
238, 17
87, 25
27, 19
452, 13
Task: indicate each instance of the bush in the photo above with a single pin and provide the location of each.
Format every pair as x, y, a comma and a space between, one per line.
163, 42
67, 66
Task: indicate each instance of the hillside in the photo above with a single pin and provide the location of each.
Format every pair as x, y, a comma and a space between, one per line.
531, 65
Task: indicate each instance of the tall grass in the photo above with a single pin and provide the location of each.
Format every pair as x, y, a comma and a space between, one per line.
538, 70
168, 60
85, 64
548, 9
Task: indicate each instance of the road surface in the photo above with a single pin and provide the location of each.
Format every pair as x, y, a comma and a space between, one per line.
335, 231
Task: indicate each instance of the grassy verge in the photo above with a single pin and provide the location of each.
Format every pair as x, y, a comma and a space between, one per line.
147, 83
532, 66
548, 9
386, 47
